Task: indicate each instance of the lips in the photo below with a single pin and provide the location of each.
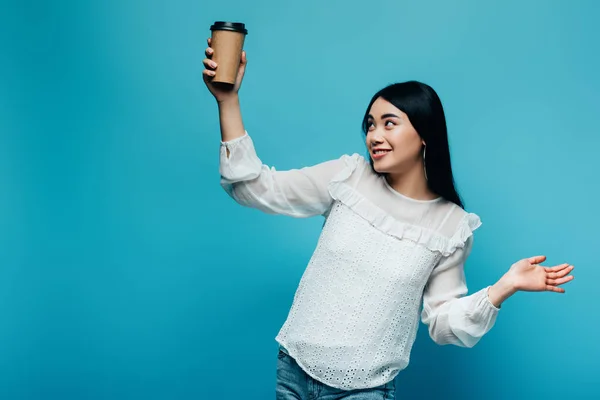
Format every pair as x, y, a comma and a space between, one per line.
379, 153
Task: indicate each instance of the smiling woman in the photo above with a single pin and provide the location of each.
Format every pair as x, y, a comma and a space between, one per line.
411, 139
396, 237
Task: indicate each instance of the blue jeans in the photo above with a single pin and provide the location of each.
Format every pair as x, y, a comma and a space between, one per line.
294, 384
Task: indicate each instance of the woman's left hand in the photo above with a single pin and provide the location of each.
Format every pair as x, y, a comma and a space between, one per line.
527, 275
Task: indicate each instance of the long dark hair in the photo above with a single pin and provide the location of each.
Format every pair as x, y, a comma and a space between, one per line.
424, 109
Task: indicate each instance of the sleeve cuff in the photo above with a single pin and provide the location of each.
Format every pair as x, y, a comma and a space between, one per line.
488, 301
472, 321
236, 140
242, 163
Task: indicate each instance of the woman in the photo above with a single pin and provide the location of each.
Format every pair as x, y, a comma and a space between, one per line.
396, 236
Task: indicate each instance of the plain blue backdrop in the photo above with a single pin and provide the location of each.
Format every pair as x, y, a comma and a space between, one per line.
125, 270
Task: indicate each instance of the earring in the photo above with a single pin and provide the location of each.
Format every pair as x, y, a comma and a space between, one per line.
424, 163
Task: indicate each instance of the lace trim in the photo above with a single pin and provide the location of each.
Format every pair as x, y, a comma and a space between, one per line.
341, 191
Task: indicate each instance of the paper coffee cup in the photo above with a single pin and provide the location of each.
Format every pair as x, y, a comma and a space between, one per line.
227, 42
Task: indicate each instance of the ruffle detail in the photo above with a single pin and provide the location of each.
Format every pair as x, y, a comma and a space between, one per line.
341, 191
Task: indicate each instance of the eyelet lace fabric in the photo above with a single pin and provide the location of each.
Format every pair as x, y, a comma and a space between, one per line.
354, 316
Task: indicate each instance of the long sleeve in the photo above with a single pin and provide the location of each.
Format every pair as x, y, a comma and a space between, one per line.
451, 316
296, 192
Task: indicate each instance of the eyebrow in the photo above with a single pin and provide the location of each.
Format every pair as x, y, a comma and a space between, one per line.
385, 116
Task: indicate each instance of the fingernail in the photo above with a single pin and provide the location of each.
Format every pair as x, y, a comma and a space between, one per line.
213, 64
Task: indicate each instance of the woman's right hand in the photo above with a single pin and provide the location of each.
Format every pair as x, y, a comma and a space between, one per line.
222, 92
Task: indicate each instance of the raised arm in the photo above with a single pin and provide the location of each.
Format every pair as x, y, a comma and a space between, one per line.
298, 192
230, 116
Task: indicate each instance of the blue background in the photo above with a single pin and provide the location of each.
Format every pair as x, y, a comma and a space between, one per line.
126, 271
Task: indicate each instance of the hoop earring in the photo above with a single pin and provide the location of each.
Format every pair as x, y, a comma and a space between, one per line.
424, 163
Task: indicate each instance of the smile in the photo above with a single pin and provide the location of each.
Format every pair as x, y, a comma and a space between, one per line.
380, 153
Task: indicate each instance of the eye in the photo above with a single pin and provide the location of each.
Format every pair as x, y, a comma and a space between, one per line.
389, 124
370, 125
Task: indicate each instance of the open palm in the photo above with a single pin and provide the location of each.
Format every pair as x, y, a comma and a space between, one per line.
528, 275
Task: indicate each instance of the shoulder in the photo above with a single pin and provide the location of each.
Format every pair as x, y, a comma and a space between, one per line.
360, 164
458, 226
348, 164
456, 217
354, 159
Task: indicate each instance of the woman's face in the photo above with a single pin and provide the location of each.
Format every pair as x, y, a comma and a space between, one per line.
393, 143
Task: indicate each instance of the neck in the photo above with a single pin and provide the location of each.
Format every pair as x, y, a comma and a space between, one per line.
411, 183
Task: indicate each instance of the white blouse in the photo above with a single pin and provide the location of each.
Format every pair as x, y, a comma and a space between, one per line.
380, 254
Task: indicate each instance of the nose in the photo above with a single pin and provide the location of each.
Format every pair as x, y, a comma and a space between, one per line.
376, 138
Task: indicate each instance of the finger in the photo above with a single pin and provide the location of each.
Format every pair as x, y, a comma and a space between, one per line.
536, 259
555, 289
209, 41
558, 267
559, 281
242, 69
208, 73
559, 272
210, 64
209, 52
